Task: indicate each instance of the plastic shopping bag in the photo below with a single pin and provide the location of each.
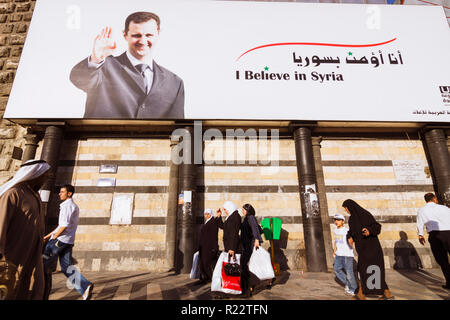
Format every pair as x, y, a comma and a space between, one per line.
195, 271
221, 282
260, 264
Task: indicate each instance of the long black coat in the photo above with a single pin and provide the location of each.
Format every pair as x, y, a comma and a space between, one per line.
370, 253
209, 246
231, 228
249, 233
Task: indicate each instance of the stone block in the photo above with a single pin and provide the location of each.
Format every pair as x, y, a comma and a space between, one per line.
8, 133
7, 8
4, 52
11, 65
15, 18
3, 40
17, 39
3, 103
21, 28
23, 7
5, 89
27, 16
5, 164
16, 52
7, 28
6, 76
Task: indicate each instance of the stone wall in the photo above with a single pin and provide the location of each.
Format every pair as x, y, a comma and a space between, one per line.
271, 190
143, 172
15, 17
358, 169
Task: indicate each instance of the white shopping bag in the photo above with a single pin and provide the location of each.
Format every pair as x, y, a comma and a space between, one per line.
260, 264
195, 271
216, 282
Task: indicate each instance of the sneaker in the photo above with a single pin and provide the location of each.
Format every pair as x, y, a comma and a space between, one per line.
348, 292
87, 295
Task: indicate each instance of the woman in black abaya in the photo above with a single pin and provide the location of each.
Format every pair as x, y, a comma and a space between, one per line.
364, 231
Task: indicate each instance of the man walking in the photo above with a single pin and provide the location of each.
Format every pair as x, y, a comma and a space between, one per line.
60, 244
436, 219
21, 231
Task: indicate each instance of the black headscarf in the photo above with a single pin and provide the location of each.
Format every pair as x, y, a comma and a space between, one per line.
360, 218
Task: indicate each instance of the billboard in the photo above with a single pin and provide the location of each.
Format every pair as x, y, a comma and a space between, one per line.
227, 60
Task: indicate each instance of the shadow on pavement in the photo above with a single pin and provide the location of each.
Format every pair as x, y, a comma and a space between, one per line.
428, 280
409, 265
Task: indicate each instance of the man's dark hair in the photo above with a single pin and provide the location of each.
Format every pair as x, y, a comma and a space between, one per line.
141, 17
429, 196
69, 188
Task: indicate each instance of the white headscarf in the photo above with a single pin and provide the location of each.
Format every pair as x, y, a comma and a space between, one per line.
210, 212
230, 207
30, 170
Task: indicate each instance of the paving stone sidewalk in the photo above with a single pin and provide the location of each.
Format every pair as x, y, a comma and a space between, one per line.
290, 285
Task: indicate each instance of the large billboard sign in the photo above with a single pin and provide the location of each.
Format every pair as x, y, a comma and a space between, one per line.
191, 59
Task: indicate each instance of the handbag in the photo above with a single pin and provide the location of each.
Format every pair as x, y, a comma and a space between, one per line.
232, 269
220, 281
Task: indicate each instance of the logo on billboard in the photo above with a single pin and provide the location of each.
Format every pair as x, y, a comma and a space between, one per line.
445, 92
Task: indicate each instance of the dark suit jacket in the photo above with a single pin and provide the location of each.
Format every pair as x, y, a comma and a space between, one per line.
116, 90
231, 228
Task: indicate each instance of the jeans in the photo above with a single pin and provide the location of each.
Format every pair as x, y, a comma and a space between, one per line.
343, 269
55, 249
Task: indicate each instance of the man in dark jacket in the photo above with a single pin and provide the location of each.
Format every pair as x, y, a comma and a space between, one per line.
231, 228
209, 244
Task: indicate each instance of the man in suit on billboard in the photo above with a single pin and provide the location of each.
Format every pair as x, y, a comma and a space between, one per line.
131, 85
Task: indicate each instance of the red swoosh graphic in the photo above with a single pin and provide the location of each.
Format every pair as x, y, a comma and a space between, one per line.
434, 4
316, 44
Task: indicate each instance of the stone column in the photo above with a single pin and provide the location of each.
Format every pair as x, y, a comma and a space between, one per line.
312, 222
186, 212
438, 155
323, 204
53, 139
31, 145
172, 207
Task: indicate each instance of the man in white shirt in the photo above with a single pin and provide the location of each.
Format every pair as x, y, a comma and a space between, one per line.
60, 244
436, 219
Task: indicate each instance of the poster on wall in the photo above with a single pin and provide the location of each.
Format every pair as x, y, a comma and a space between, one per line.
233, 60
411, 172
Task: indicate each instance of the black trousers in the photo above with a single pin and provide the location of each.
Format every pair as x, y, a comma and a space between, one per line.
248, 279
440, 246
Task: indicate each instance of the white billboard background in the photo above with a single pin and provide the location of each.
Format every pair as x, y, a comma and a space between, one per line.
202, 40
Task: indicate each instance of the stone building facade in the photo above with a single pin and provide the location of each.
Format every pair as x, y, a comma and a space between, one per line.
358, 163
